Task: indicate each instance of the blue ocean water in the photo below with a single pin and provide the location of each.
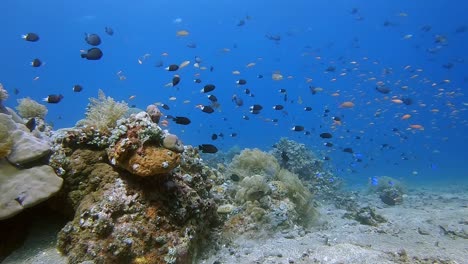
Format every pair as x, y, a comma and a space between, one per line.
416, 48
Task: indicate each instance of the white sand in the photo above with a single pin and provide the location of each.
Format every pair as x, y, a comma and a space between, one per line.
415, 227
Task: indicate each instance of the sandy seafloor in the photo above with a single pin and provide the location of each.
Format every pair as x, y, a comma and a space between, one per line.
431, 226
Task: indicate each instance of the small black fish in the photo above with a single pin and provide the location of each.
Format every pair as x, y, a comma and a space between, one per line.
206, 109
16, 91
307, 108
165, 106
77, 88
407, 100
260, 76
330, 69
208, 148
245, 117
448, 65
212, 98
92, 39
36, 63
336, 118
241, 82
31, 124
181, 120
241, 23
233, 135
255, 109
208, 88
53, 98
328, 144
306, 133
247, 91
326, 135
214, 137
109, 31
274, 120
426, 28
33, 37
278, 107
383, 89
237, 100
297, 128
282, 90
197, 81
172, 67
273, 37
159, 64
191, 45
211, 68
92, 54
348, 150
175, 80
326, 158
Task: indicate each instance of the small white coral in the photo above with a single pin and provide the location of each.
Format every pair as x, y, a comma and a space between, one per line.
103, 112
3, 93
28, 108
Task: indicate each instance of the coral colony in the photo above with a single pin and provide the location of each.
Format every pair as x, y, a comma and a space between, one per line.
134, 193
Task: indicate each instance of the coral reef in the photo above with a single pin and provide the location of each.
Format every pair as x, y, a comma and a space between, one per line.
264, 198
390, 190
138, 145
252, 162
151, 161
28, 108
366, 216
103, 112
120, 217
296, 158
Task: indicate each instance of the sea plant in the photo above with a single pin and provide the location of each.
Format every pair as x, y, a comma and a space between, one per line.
103, 112
29, 108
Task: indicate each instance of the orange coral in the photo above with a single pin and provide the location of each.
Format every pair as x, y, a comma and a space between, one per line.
151, 160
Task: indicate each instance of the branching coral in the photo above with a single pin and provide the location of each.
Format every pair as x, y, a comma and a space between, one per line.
28, 108
103, 112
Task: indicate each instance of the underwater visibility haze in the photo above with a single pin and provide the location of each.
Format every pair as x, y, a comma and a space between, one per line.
374, 89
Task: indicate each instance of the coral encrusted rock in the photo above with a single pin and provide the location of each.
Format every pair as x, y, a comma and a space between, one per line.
150, 161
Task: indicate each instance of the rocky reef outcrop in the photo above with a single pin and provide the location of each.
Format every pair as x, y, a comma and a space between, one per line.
135, 194
25, 177
258, 198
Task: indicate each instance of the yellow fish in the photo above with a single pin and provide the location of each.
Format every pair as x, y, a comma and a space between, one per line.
182, 33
